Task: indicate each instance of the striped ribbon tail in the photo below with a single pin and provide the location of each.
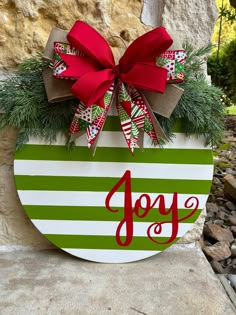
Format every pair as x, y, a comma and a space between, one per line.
135, 116
91, 119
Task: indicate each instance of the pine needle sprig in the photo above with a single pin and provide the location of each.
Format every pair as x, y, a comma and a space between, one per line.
195, 59
33, 65
200, 107
23, 101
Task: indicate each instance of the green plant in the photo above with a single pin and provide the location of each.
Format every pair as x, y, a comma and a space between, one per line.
231, 110
231, 64
228, 14
222, 69
24, 101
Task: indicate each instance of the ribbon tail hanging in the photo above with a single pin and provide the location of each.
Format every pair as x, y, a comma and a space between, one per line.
164, 104
90, 120
136, 117
157, 127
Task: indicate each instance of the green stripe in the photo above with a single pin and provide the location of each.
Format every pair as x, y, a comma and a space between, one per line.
106, 242
155, 155
99, 214
64, 183
113, 124
178, 127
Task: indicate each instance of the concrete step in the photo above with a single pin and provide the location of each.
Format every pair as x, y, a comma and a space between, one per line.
178, 281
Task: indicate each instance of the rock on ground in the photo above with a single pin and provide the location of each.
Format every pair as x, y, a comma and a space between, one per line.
218, 251
218, 233
230, 186
220, 222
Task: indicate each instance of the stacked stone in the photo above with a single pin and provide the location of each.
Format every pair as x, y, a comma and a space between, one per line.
219, 243
25, 25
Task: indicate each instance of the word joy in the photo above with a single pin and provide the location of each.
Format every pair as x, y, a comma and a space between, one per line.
141, 208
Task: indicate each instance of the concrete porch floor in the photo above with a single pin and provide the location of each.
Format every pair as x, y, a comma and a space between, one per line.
178, 281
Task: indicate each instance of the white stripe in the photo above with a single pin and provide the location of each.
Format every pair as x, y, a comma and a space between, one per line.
110, 169
113, 110
106, 228
116, 139
110, 256
92, 199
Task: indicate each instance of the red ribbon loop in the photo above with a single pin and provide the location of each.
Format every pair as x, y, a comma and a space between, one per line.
96, 70
146, 76
146, 48
81, 65
86, 39
97, 83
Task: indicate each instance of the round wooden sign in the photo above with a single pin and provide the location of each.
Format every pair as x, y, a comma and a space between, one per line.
113, 207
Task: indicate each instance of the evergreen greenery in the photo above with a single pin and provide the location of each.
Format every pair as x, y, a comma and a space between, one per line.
23, 100
223, 70
200, 109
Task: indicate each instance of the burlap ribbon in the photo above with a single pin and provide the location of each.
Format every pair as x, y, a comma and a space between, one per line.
83, 59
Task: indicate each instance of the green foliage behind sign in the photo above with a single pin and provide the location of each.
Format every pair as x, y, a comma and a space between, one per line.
228, 32
223, 70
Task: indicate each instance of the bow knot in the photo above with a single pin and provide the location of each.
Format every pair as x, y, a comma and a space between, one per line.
117, 71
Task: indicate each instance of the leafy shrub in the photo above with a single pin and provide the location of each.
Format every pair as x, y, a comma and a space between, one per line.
223, 70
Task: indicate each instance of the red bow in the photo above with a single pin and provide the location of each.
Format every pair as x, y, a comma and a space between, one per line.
96, 70
88, 59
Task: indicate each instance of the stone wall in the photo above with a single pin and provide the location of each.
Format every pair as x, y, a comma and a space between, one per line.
24, 28
26, 24
189, 21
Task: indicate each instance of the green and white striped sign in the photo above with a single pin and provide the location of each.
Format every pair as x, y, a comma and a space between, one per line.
65, 193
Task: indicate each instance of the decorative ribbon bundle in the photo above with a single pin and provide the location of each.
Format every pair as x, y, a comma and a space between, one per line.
139, 81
